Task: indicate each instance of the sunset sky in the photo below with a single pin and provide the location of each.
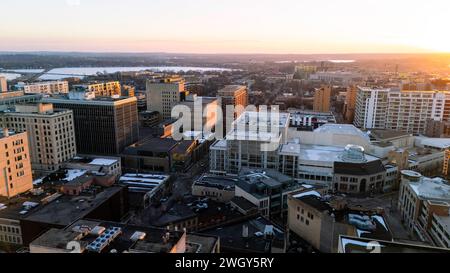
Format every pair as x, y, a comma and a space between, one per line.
226, 26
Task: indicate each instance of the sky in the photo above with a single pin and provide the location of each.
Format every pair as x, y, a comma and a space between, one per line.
226, 26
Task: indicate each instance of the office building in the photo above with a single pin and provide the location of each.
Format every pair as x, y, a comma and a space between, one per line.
104, 89
103, 125
50, 132
163, 94
424, 205
322, 97
15, 164
203, 112
251, 143
232, 95
48, 88
266, 189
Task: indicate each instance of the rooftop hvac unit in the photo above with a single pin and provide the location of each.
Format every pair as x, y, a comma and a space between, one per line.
105, 239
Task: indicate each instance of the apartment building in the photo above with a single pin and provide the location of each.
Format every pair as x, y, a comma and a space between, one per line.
106, 89
163, 94
322, 97
424, 205
51, 133
406, 111
15, 164
50, 87
104, 125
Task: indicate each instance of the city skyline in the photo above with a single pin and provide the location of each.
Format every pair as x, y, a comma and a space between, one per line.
294, 27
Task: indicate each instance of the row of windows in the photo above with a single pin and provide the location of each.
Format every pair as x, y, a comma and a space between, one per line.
9, 229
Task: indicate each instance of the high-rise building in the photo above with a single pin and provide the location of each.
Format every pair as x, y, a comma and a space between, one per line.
50, 133
322, 98
406, 111
51, 87
233, 95
350, 103
105, 89
3, 84
103, 125
15, 164
164, 94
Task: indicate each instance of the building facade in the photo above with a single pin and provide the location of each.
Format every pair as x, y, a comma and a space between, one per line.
322, 97
51, 87
406, 111
15, 164
163, 94
51, 133
103, 126
105, 89
424, 205
233, 95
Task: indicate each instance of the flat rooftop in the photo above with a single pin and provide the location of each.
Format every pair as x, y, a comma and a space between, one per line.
431, 188
232, 241
220, 182
351, 244
325, 153
67, 209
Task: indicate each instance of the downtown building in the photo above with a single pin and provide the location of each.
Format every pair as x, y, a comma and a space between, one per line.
408, 111
15, 164
424, 205
340, 157
104, 89
236, 96
103, 125
50, 133
163, 94
49, 87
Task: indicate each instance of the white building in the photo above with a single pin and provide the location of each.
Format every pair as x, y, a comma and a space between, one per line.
407, 111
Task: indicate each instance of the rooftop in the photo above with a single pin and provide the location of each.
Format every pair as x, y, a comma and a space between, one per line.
259, 237
219, 182
67, 209
326, 153
350, 244
431, 188
130, 238
343, 129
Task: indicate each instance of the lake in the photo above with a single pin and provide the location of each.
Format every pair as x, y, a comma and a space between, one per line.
66, 72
